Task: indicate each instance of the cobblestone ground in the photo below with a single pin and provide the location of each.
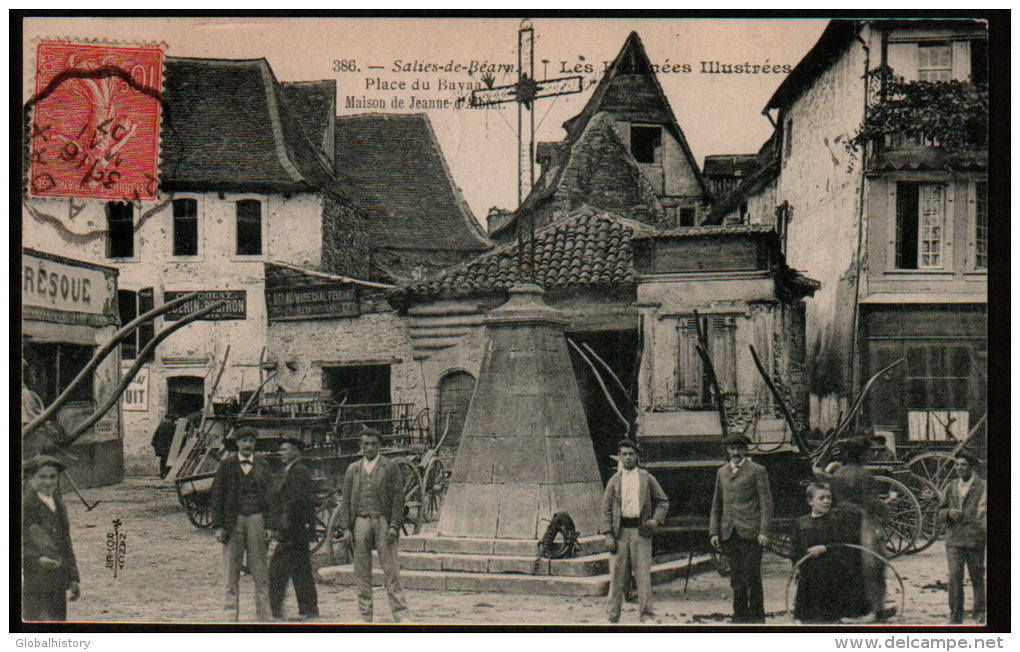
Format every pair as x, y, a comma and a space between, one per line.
172, 574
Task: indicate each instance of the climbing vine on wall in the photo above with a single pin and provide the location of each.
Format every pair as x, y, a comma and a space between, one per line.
950, 115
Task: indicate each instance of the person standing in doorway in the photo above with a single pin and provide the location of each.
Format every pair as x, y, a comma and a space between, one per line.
244, 520
372, 510
49, 570
739, 525
162, 440
965, 508
295, 498
633, 505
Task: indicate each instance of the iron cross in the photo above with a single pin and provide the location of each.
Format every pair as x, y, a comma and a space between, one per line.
525, 92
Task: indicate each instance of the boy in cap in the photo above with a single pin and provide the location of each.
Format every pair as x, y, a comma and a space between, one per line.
244, 518
739, 526
295, 498
633, 505
965, 508
50, 572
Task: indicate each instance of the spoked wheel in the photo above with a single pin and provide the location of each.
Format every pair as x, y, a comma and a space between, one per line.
901, 522
934, 466
321, 523
414, 496
930, 499
198, 509
436, 481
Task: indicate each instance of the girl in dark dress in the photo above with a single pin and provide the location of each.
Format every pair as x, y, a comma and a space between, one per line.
829, 587
49, 570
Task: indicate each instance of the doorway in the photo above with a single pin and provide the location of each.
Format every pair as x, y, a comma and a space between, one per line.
619, 350
358, 384
455, 390
185, 395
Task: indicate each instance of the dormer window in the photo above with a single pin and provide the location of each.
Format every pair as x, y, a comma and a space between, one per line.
646, 144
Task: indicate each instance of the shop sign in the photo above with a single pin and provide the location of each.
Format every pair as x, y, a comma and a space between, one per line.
136, 396
312, 301
59, 286
233, 309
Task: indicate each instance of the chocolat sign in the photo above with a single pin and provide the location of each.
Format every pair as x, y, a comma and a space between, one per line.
312, 301
234, 308
50, 284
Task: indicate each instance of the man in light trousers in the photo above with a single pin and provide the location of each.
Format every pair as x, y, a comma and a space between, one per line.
372, 509
633, 505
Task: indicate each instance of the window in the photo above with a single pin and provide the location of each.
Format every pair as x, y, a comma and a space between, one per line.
920, 225
935, 62
131, 305
938, 384
646, 144
50, 369
687, 217
249, 227
694, 387
185, 227
981, 225
120, 225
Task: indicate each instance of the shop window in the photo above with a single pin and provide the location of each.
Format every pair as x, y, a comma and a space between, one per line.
120, 229
920, 225
131, 305
646, 144
935, 62
50, 368
185, 394
694, 388
185, 227
938, 388
981, 225
249, 227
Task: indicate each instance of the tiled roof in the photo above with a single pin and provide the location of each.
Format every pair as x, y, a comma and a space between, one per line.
584, 249
700, 231
228, 126
314, 103
393, 168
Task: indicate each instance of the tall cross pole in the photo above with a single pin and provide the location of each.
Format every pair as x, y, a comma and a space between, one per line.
524, 93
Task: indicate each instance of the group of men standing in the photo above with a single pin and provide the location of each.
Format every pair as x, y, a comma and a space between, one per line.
251, 510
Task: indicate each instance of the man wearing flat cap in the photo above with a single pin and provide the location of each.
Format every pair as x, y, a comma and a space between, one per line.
244, 518
49, 570
739, 526
295, 500
633, 505
965, 508
371, 511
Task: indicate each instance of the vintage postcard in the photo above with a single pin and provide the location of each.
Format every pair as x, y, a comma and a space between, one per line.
521, 321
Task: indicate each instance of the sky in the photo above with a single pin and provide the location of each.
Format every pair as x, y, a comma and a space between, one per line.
369, 59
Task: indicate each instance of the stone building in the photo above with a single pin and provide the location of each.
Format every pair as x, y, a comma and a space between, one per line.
631, 278
908, 278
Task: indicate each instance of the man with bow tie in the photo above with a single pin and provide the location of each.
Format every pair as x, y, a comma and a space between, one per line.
244, 518
739, 526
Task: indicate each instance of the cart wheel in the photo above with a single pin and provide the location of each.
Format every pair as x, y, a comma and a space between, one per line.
321, 523
901, 523
436, 481
934, 466
197, 508
930, 498
414, 494
341, 551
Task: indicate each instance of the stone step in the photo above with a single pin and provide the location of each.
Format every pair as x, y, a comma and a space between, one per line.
587, 545
442, 580
571, 567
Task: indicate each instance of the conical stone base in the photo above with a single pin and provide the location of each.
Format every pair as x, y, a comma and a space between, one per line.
525, 452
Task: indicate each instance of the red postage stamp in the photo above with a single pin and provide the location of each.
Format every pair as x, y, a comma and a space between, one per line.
95, 121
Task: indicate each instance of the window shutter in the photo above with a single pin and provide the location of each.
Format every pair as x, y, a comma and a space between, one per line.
961, 60
146, 331
902, 58
721, 336
688, 373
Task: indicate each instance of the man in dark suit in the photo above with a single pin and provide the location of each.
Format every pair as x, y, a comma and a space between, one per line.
295, 499
633, 505
965, 508
739, 526
244, 518
49, 569
372, 510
